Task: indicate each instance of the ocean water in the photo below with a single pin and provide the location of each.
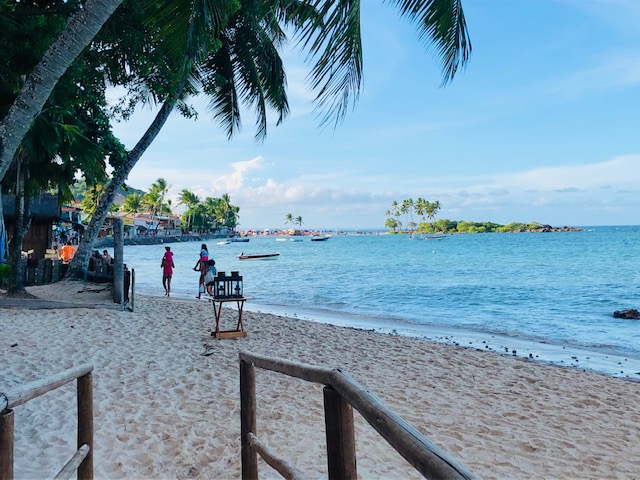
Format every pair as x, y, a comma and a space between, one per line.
545, 296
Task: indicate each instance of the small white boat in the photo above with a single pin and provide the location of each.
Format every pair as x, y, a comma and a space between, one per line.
295, 239
263, 256
223, 242
281, 239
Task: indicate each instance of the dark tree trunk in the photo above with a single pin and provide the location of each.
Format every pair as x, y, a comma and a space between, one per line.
80, 262
21, 227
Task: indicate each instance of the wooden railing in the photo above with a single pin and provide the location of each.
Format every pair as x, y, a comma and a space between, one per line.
341, 394
82, 460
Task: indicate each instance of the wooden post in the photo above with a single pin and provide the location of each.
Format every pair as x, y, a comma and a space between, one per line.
6, 445
248, 419
118, 261
40, 273
132, 296
55, 271
85, 424
341, 440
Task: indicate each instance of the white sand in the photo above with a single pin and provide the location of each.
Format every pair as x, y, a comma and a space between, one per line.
164, 410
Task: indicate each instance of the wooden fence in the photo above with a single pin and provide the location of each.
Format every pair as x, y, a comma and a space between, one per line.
341, 394
82, 460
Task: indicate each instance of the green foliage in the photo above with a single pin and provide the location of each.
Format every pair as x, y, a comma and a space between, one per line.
422, 208
5, 270
451, 226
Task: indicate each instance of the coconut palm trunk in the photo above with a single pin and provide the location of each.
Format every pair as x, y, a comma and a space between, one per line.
40, 83
80, 262
21, 227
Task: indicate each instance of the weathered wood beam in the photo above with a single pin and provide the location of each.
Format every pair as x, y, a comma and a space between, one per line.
279, 464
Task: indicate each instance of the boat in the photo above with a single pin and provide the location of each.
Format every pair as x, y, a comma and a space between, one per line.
281, 239
236, 240
319, 239
223, 242
263, 256
295, 239
437, 236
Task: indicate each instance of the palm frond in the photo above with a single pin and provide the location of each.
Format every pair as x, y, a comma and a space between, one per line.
441, 23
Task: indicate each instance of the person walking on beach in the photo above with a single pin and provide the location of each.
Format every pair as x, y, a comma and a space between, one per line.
202, 267
167, 270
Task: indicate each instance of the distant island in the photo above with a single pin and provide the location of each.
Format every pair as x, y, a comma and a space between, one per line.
452, 226
417, 214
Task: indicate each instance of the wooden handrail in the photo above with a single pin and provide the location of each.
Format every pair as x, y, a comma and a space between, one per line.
72, 465
418, 450
303, 371
279, 464
28, 391
82, 460
422, 454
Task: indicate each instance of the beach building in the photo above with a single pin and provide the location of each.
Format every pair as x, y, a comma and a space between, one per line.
45, 212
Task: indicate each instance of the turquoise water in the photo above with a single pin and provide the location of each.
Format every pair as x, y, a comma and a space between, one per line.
551, 288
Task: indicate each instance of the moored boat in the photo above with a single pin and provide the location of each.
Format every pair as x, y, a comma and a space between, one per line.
262, 256
319, 239
236, 240
223, 242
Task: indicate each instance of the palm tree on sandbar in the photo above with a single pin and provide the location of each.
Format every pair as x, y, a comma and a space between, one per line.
288, 219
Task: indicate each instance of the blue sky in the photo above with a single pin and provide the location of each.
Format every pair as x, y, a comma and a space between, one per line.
541, 126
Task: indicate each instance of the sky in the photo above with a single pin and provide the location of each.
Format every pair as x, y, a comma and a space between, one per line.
541, 126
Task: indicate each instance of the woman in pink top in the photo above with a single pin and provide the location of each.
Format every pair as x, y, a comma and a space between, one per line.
167, 270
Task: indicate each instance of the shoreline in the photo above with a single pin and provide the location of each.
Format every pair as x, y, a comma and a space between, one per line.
564, 356
166, 397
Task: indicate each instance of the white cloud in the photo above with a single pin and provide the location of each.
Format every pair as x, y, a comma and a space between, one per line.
234, 181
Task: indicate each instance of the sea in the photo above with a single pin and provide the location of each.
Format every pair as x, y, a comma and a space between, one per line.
547, 297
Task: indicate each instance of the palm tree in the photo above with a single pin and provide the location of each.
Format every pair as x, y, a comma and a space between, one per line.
132, 204
78, 33
288, 219
420, 207
432, 209
92, 198
336, 75
247, 67
406, 209
260, 75
50, 154
160, 187
298, 220
190, 200
395, 207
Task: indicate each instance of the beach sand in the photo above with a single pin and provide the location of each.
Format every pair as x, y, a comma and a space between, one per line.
164, 409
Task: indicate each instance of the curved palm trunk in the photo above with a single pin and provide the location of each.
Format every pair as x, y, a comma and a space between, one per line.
80, 262
40, 83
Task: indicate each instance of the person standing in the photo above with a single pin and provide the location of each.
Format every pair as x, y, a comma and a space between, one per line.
67, 252
210, 276
202, 266
167, 270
